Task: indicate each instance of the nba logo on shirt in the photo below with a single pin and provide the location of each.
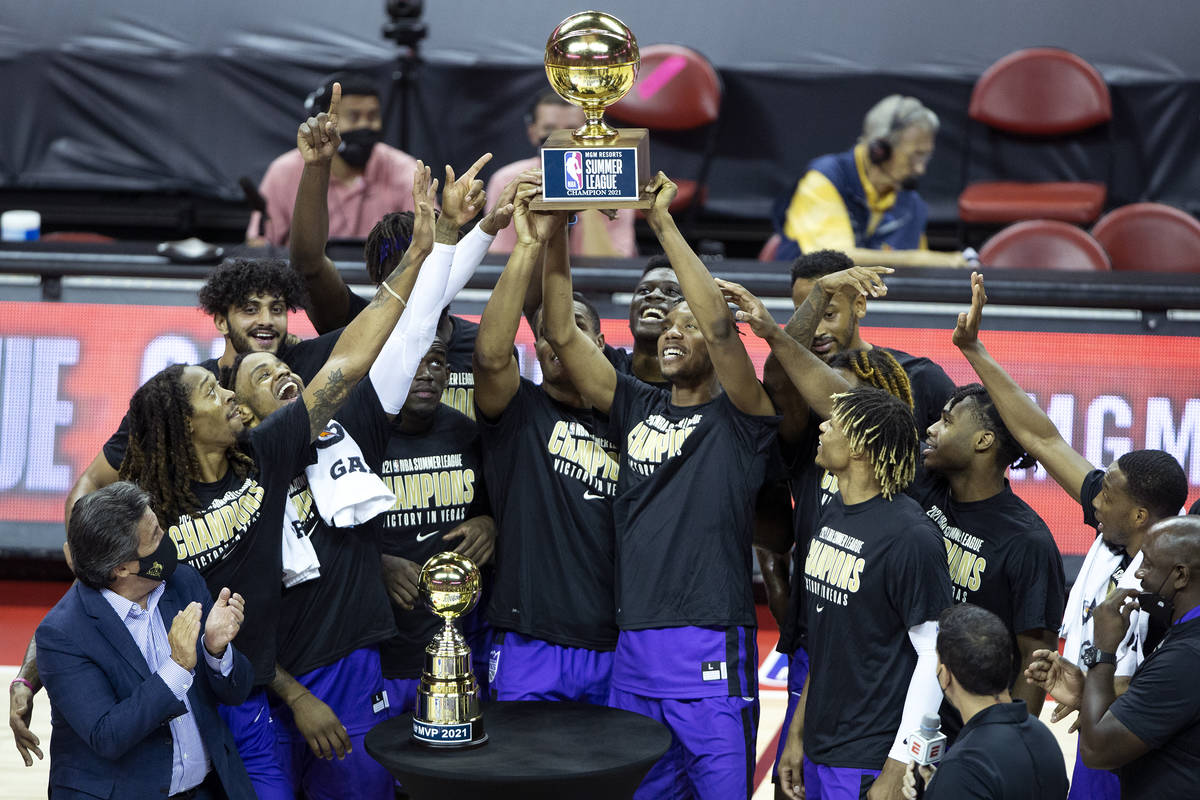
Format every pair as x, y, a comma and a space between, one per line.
573, 169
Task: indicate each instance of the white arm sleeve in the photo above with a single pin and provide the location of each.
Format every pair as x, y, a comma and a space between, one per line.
924, 694
393, 370
470, 251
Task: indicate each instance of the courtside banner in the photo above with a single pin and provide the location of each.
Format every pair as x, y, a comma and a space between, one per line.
67, 371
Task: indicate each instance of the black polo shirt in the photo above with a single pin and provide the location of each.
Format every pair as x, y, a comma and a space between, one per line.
1002, 753
1162, 708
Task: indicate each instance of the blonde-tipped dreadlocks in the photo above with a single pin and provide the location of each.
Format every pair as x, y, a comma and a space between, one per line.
879, 368
881, 426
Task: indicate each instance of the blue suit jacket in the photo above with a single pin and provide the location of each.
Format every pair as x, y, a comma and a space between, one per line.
109, 713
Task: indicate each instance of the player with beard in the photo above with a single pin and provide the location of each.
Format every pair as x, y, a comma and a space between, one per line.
433, 464
692, 459
1002, 556
875, 574
552, 605
249, 301
1121, 503
841, 313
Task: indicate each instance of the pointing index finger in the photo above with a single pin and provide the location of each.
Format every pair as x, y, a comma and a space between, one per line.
335, 99
470, 174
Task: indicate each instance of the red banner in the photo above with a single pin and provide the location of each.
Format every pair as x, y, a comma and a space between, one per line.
67, 371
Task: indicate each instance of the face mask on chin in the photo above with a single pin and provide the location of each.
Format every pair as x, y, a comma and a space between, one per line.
357, 145
159, 565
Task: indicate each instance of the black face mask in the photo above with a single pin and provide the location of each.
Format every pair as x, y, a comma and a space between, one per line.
909, 184
159, 565
357, 145
1159, 610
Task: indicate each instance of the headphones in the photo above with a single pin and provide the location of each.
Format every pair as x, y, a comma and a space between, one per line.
879, 149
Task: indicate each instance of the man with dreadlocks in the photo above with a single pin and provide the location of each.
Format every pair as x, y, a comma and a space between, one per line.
1002, 556
1122, 503
692, 460
802, 386
875, 574
334, 304
249, 301
222, 501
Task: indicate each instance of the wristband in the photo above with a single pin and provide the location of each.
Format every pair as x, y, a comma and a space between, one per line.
392, 292
28, 685
574, 218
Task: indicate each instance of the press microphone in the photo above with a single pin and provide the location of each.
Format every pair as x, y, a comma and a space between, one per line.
256, 201
926, 747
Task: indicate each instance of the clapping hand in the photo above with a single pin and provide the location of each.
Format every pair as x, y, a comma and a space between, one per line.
185, 629
318, 137
224, 621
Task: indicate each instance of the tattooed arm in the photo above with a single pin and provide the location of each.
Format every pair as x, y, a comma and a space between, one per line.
364, 337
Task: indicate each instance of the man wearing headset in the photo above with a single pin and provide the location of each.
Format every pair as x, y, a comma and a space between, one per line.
367, 178
864, 201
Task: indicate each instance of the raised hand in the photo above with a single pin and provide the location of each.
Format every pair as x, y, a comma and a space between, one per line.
548, 224
463, 197
318, 137
224, 621
400, 576
424, 194
966, 332
1059, 678
185, 629
750, 309
867, 281
478, 536
663, 192
522, 216
502, 213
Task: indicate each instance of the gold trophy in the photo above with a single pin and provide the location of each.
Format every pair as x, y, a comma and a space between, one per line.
592, 61
447, 714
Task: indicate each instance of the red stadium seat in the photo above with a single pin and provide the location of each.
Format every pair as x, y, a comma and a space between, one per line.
1150, 236
78, 237
1046, 93
770, 248
1044, 243
678, 94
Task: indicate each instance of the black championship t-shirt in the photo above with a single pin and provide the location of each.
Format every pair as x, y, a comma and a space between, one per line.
305, 359
347, 607
437, 477
931, 388
684, 512
812, 487
1002, 556
551, 474
236, 538
1162, 708
873, 570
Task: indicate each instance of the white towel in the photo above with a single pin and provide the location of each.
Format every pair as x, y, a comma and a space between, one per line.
344, 492
1092, 587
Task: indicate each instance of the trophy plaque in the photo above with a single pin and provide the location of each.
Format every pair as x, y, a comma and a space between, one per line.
447, 714
592, 61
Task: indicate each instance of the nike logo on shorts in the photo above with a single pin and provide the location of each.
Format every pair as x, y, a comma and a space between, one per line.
590, 495
423, 536
820, 608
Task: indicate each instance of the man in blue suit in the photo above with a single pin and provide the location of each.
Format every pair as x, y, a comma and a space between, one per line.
135, 658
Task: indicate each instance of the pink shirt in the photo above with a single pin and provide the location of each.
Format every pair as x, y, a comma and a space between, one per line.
354, 208
620, 230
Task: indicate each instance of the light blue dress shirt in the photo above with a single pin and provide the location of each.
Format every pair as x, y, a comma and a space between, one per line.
190, 762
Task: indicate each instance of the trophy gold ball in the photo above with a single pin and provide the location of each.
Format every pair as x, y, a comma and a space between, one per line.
592, 61
450, 585
447, 714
